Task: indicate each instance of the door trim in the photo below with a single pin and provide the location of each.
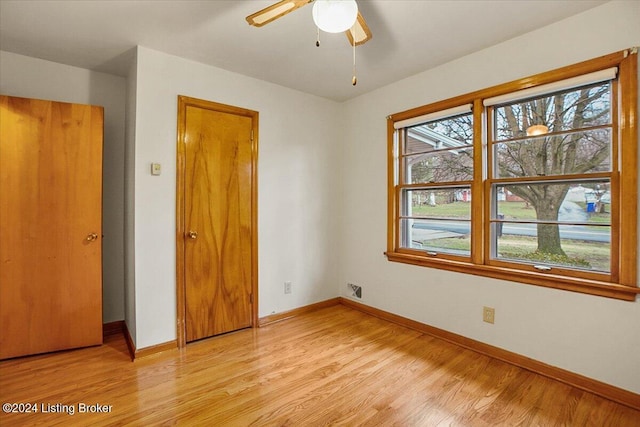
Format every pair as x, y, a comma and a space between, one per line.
183, 103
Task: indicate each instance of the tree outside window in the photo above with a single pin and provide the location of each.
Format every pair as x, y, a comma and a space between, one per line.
563, 143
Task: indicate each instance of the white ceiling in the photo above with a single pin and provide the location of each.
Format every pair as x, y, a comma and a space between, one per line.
408, 36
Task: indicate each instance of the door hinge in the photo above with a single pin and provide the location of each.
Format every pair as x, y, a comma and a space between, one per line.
251, 135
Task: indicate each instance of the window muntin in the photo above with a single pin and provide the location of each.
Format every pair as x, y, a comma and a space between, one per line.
607, 127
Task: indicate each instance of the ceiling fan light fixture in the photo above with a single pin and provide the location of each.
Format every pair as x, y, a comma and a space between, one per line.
335, 16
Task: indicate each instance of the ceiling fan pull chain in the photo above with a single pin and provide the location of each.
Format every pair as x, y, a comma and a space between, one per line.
354, 79
318, 37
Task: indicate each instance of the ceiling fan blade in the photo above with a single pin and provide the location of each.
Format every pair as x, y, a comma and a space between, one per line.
359, 33
275, 11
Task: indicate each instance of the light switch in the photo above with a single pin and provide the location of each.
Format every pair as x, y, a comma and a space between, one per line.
155, 169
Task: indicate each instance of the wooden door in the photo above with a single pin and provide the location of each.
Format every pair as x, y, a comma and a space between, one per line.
219, 223
51, 225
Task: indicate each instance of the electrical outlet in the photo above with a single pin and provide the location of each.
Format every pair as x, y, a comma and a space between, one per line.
488, 314
287, 287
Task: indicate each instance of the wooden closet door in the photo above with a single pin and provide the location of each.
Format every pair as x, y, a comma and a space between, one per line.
51, 226
219, 211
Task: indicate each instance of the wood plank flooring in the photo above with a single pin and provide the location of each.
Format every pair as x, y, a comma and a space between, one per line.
335, 366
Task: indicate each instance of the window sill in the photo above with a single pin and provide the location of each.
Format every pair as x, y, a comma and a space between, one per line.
585, 286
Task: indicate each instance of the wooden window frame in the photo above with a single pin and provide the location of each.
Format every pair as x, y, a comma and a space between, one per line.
622, 282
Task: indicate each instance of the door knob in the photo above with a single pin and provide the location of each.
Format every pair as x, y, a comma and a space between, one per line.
192, 235
92, 237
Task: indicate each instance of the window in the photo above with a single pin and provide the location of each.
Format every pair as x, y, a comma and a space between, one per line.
435, 183
531, 181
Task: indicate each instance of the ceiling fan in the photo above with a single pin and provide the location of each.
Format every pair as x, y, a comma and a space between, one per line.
358, 33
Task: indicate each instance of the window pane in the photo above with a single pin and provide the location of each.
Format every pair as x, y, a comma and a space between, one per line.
569, 153
440, 166
574, 109
581, 247
584, 246
451, 132
442, 236
583, 202
441, 203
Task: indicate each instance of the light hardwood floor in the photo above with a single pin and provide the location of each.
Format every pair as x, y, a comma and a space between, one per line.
335, 366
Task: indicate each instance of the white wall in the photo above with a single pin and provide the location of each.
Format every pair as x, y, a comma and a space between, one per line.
129, 197
593, 336
298, 207
35, 78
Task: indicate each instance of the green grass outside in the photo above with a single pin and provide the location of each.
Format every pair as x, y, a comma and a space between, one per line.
445, 210
597, 255
510, 210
